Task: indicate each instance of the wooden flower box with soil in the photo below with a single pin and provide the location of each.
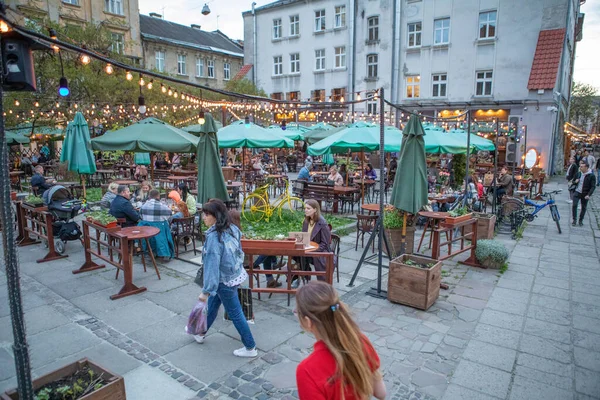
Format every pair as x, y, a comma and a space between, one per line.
82, 380
33, 202
485, 225
102, 218
284, 244
449, 221
414, 281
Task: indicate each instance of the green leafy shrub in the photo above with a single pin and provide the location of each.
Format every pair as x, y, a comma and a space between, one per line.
458, 212
93, 194
459, 166
102, 217
31, 199
290, 222
392, 218
491, 253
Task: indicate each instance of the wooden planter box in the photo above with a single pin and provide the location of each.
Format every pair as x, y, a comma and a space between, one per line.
113, 390
394, 238
112, 224
31, 205
285, 244
449, 221
485, 225
414, 286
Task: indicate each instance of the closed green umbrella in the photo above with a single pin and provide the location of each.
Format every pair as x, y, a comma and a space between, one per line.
410, 184
141, 158
76, 151
211, 183
479, 143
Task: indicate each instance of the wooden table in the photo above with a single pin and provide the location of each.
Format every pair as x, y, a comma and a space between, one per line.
341, 190
450, 239
371, 208
230, 185
442, 199
433, 221
141, 233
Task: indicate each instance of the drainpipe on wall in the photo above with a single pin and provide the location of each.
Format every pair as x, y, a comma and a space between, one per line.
396, 31
353, 52
254, 51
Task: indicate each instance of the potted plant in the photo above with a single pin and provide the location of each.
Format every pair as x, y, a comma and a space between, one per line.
491, 253
82, 380
414, 281
102, 218
34, 201
458, 215
393, 220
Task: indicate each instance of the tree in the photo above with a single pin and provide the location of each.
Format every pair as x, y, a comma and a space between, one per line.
582, 108
244, 86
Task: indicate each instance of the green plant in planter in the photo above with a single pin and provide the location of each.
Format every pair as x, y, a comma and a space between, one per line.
101, 217
392, 218
459, 166
458, 212
491, 253
31, 199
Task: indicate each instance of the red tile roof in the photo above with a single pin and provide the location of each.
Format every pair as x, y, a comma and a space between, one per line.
243, 71
546, 60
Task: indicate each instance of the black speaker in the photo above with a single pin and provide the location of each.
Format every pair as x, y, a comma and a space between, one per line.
17, 63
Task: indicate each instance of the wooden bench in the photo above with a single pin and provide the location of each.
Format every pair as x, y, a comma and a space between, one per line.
321, 192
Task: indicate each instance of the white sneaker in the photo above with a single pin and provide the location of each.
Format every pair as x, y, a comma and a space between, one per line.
199, 338
244, 352
570, 201
295, 284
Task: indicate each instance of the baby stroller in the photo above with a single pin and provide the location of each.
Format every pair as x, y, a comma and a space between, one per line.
63, 208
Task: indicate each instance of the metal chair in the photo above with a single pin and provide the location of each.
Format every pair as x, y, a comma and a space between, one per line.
182, 229
364, 224
335, 249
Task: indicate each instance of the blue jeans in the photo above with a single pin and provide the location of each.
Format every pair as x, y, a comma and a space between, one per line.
229, 297
267, 262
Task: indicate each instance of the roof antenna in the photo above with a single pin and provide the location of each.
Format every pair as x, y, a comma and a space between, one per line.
163, 11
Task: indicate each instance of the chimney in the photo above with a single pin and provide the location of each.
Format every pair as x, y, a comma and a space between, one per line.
155, 15
195, 26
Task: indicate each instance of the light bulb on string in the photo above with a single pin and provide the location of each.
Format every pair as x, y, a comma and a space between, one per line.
163, 88
150, 84
109, 69
128, 75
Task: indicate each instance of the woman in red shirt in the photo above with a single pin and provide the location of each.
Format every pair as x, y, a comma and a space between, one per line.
344, 364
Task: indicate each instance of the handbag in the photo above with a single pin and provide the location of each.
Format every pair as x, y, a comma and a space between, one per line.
199, 280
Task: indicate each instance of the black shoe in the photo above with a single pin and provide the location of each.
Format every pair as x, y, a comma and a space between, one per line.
580, 223
273, 284
574, 223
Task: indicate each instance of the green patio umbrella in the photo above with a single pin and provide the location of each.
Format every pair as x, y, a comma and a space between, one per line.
291, 131
410, 189
480, 144
197, 128
15, 138
76, 151
439, 141
211, 183
147, 135
141, 158
240, 134
320, 131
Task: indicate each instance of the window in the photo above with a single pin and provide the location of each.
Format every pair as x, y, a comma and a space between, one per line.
483, 83
226, 71
181, 69
413, 84
160, 60
487, 24
340, 57
414, 34
210, 64
320, 60
439, 85
73, 2
338, 94
277, 65
118, 43
372, 65
319, 20
441, 34
277, 96
293, 96
294, 25
113, 6
340, 17
372, 107
277, 28
317, 95
373, 29
199, 67
295, 63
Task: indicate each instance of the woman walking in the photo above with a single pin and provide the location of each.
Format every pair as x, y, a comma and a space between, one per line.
344, 365
572, 174
223, 273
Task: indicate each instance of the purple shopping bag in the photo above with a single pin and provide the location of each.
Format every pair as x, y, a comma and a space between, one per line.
197, 321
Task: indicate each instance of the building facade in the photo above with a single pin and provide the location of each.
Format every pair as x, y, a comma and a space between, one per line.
206, 58
121, 17
440, 57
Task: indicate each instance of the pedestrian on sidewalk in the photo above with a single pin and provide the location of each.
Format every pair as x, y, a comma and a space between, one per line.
344, 363
572, 174
224, 271
586, 184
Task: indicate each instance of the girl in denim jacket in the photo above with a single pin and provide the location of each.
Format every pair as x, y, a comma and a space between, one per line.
224, 271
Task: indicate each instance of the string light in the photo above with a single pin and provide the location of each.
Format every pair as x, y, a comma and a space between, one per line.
128, 75
149, 86
163, 88
109, 69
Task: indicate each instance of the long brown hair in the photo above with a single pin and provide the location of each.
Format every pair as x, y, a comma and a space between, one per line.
314, 204
183, 208
332, 322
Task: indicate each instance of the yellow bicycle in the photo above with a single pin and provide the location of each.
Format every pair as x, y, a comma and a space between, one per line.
257, 205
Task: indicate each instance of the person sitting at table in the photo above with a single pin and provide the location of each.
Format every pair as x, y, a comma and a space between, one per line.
370, 172
35, 158
335, 177
319, 232
304, 173
121, 207
38, 182
153, 210
176, 161
181, 210
258, 166
42, 159
187, 198
45, 150
505, 184
26, 164
478, 184
141, 172
110, 195
142, 193
393, 165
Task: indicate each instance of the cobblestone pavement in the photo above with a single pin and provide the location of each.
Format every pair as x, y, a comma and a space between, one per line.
532, 332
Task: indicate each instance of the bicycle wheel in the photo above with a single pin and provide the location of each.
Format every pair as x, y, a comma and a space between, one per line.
555, 216
254, 208
505, 218
288, 202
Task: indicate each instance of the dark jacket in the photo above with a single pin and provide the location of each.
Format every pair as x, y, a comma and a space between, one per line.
322, 236
39, 183
572, 171
589, 185
122, 208
506, 182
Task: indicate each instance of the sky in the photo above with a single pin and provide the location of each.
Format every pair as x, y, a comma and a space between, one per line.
227, 16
